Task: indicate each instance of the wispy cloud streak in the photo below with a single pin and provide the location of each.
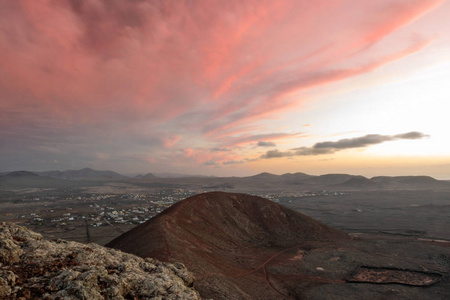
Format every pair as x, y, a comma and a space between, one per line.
332, 147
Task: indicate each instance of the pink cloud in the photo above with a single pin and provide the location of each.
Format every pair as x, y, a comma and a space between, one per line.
170, 141
154, 72
203, 156
142, 57
268, 91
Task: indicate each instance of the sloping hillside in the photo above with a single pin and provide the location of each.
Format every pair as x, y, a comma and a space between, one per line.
220, 236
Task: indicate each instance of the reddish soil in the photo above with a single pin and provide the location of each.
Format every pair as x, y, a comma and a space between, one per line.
232, 237
246, 247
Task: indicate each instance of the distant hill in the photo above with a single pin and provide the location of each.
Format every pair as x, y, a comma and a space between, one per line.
296, 176
405, 179
21, 174
262, 182
224, 233
56, 179
26, 180
263, 176
288, 177
329, 179
180, 175
147, 176
410, 182
86, 173
359, 182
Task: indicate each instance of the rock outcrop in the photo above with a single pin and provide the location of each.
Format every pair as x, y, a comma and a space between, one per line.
34, 268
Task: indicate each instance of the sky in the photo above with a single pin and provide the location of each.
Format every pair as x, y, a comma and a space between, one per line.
226, 88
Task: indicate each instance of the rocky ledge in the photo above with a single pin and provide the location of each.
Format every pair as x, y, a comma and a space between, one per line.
34, 268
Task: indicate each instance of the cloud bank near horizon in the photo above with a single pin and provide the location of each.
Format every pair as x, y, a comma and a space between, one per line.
343, 144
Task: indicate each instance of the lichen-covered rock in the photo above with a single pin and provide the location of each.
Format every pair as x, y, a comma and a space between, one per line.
9, 252
34, 268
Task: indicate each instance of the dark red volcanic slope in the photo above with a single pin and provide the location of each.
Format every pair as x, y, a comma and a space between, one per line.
226, 240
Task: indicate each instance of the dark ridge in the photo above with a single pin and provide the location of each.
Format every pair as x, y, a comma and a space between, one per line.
145, 176
296, 176
330, 179
148, 176
406, 179
264, 175
411, 182
358, 182
21, 174
86, 173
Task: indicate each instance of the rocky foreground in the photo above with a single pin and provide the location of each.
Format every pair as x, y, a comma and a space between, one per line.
34, 268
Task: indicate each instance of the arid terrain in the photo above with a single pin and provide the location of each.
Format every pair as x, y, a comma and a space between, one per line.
393, 239
245, 247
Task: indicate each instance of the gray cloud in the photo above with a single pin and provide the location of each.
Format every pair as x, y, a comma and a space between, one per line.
266, 144
329, 147
413, 135
220, 150
210, 163
370, 139
276, 153
233, 162
247, 139
303, 151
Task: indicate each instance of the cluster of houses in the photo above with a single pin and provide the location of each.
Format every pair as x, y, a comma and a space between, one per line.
109, 209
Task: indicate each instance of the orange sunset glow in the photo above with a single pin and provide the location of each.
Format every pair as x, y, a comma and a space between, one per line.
226, 88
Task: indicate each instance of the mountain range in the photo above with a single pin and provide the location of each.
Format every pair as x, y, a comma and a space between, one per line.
86, 173
260, 182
